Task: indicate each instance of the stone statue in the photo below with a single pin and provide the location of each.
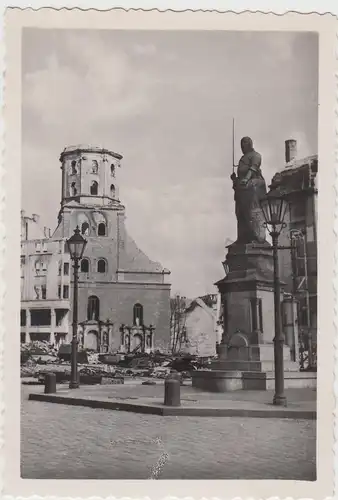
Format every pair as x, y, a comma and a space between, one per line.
249, 186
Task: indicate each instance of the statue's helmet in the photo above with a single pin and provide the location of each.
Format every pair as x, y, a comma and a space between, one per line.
246, 144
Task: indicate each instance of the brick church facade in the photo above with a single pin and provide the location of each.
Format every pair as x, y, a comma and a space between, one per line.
124, 297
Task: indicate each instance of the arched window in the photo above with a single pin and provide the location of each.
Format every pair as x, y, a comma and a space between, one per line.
95, 167
112, 191
101, 266
138, 314
112, 169
84, 266
93, 310
73, 170
73, 190
85, 228
94, 188
101, 230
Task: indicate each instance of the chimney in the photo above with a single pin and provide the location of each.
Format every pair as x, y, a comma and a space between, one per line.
290, 150
35, 217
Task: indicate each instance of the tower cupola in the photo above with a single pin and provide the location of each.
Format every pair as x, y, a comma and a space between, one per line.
89, 175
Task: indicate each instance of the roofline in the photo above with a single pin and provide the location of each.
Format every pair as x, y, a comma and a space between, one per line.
78, 149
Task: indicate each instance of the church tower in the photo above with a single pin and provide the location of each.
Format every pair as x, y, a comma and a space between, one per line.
115, 277
89, 175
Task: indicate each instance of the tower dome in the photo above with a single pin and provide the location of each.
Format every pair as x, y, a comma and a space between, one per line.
89, 175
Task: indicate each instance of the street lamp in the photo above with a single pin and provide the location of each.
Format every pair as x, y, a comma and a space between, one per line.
76, 245
274, 208
226, 267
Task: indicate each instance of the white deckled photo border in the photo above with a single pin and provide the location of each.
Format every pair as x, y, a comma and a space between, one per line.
10, 201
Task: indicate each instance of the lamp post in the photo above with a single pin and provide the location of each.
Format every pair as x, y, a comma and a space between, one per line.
76, 245
274, 208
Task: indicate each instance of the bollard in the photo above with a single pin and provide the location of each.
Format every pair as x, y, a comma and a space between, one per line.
50, 383
172, 392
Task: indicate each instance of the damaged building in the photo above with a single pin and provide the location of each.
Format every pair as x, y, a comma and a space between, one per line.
298, 268
124, 297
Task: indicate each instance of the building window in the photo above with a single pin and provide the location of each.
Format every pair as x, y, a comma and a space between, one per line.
22, 337
101, 266
44, 246
60, 315
85, 228
101, 229
73, 190
23, 318
59, 291
73, 169
112, 169
260, 315
138, 314
38, 246
43, 292
95, 167
94, 188
112, 191
66, 268
84, 266
65, 291
40, 317
93, 311
256, 314
37, 266
22, 265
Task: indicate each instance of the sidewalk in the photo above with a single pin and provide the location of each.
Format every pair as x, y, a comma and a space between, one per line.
137, 398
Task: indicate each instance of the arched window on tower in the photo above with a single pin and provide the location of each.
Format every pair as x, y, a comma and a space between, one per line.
94, 188
112, 169
138, 314
84, 266
101, 266
112, 191
95, 167
73, 190
85, 228
73, 169
93, 310
101, 230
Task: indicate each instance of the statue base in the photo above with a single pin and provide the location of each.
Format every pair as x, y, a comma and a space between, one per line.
250, 261
246, 353
228, 381
247, 293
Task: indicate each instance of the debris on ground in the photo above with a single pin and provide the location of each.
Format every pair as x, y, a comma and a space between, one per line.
39, 358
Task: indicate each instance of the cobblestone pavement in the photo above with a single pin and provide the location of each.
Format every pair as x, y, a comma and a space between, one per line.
64, 442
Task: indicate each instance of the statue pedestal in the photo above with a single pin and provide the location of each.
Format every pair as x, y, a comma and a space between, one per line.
248, 293
246, 353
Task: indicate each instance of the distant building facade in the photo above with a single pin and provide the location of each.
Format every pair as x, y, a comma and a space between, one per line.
298, 268
123, 295
201, 326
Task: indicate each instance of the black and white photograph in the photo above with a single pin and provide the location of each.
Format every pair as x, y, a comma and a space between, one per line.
169, 254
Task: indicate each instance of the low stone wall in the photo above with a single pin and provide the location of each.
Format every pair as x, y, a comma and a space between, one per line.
225, 380
217, 380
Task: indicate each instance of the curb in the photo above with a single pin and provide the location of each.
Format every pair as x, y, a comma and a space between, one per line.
176, 411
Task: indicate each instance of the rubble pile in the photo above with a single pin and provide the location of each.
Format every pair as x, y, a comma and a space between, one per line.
94, 367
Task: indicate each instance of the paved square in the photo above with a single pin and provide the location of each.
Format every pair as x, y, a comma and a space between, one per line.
63, 442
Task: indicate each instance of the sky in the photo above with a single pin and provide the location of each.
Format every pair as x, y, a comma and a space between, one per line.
165, 100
